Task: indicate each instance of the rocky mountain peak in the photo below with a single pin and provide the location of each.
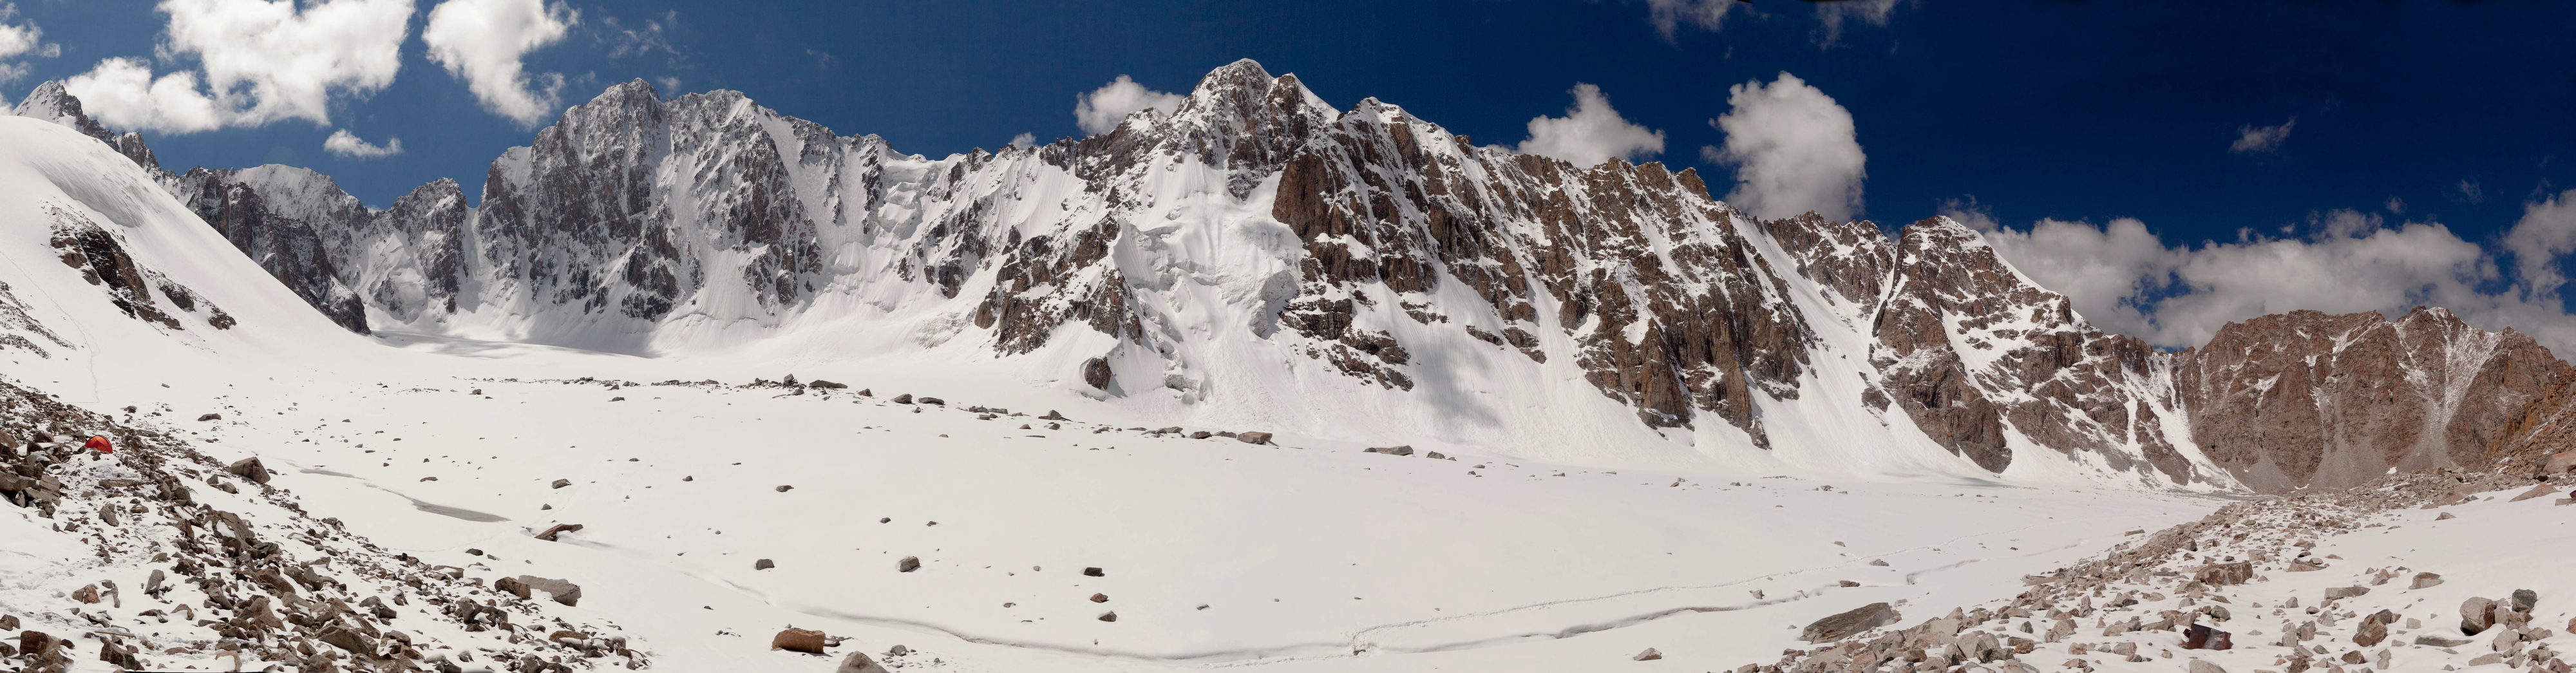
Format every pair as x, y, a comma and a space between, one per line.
1188, 259
51, 102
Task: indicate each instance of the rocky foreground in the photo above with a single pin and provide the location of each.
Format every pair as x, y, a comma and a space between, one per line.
230, 574
2259, 586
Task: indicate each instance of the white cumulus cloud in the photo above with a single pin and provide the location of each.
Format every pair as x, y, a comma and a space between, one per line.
2260, 139
1101, 110
20, 39
345, 144
1793, 148
483, 41
1590, 132
2124, 279
255, 62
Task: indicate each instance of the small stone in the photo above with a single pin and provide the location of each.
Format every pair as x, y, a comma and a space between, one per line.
908, 564
2426, 581
1253, 438
798, 640
1649, 655
905, 398
1878, 562
2346, 592
550, 533
1848, 584
473, 552
1202, 434
1110, 616
763, 564
1100, 598
934, 400
858, 662
1391, 450
2524, 599
2446, 516
560, 483
1092, 572
827, 385
616, 399
784, 488
211, 417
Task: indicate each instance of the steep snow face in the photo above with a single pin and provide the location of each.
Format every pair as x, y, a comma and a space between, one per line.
104, 266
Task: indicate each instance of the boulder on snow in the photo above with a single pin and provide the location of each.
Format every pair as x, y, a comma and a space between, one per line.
2200, 666
1202, 434
563, 592
2562, 463
2477, 614
782, 488
2438, 641
858, 662
511, 586
1390, 450
2446, 516
934, 400
560, 483
249, 468
1109, 616
2523, 600
1096, 372
1856, 620
763, 564
798, 640
349, 639
827, 385
908, 564
2201, 637
1649, 655
905, 398
2536, 491
2345, 592
550, 533
1100, 598
2425, 581
1253, 438
211, 417
1093, 572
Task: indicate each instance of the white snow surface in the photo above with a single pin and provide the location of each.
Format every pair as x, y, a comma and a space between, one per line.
1307, 553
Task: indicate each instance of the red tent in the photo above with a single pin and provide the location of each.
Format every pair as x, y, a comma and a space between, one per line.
99, 442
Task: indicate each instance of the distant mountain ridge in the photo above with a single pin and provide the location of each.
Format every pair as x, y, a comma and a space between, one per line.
1264, 254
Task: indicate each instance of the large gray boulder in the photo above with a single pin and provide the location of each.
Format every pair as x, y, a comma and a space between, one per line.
1839, 626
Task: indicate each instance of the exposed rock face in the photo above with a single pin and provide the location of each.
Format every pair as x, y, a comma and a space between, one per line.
2309, 400
1377, 255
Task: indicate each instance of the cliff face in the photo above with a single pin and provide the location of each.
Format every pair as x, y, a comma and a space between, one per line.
1258, 250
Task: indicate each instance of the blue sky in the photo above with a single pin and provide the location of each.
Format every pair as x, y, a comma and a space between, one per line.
2200, 120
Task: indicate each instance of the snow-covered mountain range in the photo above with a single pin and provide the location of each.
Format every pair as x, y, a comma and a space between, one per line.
1259, 256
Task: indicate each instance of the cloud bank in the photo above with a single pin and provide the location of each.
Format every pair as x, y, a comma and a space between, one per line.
483, 42
1793, 148
347, 145
1590, 132
1101, 110
256, 62
2124, 279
